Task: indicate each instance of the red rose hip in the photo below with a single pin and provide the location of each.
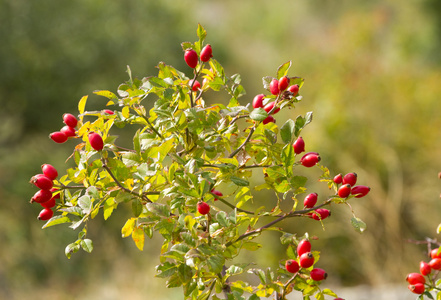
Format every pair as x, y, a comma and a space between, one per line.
310, 200
435, 263
338, 179
68, 131
294, 89
96, 141
269, 107
292, 266
413, 278
344, 191
206, 53
425, 269
435, 253
283, 83
350, 178
299, 145
203, 208
304, 246
45, 214
269, 119
321, 214
258, 101
48, 204
318, 274
49, 171
306, 260
360, 191
194, 85
41, 196
417, 288
274, 87
70, 120
217, 193
191, 58
58, 137
42, 182
310, 160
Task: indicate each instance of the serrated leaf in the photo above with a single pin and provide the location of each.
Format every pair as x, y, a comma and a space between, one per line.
85, 203
258, 114
287, 131
288, 155
201, 32
216, 263
82, 105
158, 209
71, 248
87, 245
358, 224
283, 69
239, 181
138, 237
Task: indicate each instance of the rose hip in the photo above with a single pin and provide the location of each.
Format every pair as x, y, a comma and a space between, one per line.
41, 196
292, 266
49, 171
206, 53
68, 131
258, 101
58, 137
42, 182
70, 120
203, 208
304, 246
283, 83
274, 87
191, 58
45, 214
318, 274
294, 89
96, 141
299, 145
310, 200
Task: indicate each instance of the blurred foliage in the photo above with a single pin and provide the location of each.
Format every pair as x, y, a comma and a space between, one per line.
372, 73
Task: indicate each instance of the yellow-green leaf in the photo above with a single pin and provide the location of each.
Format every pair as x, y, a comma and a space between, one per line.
82, 106
128, 227
138, 237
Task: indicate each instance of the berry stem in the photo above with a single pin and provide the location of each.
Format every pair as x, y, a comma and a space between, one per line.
233, 154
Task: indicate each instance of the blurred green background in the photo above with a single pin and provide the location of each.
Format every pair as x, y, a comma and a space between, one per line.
372, 74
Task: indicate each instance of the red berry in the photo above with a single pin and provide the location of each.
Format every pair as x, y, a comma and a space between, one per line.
194, 86
206, 53
299, 145
338, 179
344, 191
68, 131
58, 137
48, 204
283, 83
217, 193
96, 141
321, 214
304, 246
310, 200
268, 120
294, 89
191, 58
434, 253
435, 263
425, 269
42, 182
360, 191
417, 288
45, 214
306, 260
318, 274
310, 160
109, 112
41, 196
270, 106
258, 101
292, 266
203, 208
274, 87
350, 178
413, 278
70, 120
49, 171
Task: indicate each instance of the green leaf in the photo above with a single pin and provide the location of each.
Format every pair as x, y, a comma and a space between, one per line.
288, 155
239, 181
87, 245
56, 220
258, 114
158, 209
287, 131
358, 224
71, 248
166, 269
85, 203
201, 32
107, 94
136, 207
216, 263
221, 217
329, 293
283, 69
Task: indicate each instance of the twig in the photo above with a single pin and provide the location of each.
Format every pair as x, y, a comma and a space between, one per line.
243, 144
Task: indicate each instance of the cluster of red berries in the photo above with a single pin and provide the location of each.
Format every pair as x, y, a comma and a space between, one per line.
305, 259
203, 207
276, 87
417, 281
348, 186
66, 131
45, 196
192, 59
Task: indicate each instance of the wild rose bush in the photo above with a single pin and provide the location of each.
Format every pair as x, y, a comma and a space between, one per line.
185, 155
